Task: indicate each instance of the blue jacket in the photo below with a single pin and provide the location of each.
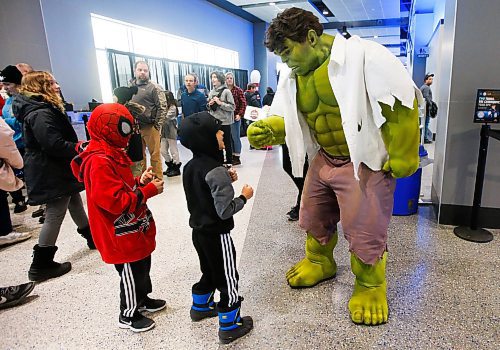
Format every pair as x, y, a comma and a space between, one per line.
14, 124
193, 103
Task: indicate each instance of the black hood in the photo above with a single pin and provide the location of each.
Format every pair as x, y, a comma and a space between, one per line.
197, 132
22, 105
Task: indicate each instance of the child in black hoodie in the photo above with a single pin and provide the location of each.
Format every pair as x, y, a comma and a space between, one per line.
211, 203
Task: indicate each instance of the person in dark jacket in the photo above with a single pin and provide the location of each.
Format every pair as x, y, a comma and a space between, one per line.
211, 204
51, 143
192, 100
123, 96
252, 96
427, 93
269, 97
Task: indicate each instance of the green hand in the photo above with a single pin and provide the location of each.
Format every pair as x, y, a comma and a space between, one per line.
267, 132
401, 137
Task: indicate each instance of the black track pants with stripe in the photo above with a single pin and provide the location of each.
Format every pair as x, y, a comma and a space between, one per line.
135, 285
218, 266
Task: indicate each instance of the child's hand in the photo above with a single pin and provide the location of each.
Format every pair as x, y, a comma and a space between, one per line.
158, 184
147, 176
247, 191
233, 174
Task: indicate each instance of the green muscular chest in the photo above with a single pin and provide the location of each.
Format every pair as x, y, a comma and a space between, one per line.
316, 101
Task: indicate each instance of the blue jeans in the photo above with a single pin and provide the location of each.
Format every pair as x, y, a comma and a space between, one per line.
427, 131
235, 134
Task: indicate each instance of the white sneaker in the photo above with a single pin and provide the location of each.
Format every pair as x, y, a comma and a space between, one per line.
14, 237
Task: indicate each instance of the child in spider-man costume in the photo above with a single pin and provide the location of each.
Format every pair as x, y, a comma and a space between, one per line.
122, 225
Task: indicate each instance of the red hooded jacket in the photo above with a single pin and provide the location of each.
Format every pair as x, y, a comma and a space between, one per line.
122, 226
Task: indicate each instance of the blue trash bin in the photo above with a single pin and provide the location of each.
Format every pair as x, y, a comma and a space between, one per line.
407, 194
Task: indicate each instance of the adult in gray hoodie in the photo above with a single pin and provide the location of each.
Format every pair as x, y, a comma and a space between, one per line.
221, 106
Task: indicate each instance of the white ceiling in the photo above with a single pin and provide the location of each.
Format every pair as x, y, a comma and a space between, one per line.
344, 11
358, 10
266, 12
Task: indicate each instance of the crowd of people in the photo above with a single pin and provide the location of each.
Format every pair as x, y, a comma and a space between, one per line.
47, 161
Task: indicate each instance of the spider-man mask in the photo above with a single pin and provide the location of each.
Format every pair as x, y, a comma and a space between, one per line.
111, 123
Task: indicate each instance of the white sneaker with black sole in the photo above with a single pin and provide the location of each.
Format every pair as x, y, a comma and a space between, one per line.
138, 323
14, 237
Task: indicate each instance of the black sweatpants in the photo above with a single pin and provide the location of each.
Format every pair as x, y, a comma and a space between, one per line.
218, 266
135, 285
5, 222
18, 196
287, 166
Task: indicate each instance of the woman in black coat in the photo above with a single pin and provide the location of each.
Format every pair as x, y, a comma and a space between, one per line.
51, 144
269, 97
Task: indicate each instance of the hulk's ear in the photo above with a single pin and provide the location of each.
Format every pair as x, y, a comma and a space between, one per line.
312, 37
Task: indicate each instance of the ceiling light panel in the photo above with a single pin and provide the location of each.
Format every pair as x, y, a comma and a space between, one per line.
267, 12
358, 10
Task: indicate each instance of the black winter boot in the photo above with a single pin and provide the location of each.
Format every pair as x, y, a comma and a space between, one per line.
175, 170
203, 306
231, 325
85, 233
169, 167
20, 206
293, 214
44, 267
236, 160
39, 212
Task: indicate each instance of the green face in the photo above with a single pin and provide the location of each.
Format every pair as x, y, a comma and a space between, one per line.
300, 57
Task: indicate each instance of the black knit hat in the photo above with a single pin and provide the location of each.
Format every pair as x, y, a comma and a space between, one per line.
11, 74
197, 132
124, 94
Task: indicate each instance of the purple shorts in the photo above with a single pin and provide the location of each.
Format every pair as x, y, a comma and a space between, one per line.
364, 208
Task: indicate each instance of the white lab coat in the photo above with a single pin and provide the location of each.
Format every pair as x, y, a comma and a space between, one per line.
362, 73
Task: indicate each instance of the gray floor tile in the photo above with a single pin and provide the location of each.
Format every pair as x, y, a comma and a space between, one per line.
443, 292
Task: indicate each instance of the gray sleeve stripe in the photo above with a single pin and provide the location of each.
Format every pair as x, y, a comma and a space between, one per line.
219, 181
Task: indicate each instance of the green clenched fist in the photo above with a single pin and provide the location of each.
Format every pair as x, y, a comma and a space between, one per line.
402, 167
400, 133
267, 132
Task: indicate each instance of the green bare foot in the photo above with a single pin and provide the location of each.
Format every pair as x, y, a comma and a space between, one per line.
317, 266
368, 304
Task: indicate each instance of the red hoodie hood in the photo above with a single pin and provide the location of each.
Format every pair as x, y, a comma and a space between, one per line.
110, 127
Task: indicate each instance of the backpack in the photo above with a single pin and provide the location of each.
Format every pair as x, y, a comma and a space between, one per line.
214, 107
433, 109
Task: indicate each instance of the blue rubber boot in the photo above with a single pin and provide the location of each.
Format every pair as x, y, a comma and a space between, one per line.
231, 325
203, 306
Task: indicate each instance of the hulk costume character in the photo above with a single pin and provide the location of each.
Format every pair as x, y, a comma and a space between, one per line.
352, 107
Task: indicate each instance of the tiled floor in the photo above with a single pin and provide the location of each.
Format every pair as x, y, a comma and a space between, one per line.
443, 292
427, 163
